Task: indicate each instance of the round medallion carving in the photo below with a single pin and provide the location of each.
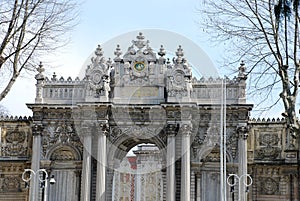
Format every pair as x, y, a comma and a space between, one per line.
269, 186
97, 78
139, 66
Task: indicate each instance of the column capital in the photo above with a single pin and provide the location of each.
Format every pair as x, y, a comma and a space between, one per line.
86, 129
243, 130
37, 129
102, 128
172, 129
186, 129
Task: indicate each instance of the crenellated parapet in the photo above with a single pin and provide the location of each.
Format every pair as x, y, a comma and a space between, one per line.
15, 118
63, 91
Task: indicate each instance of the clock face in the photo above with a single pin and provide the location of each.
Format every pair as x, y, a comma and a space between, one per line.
139, 66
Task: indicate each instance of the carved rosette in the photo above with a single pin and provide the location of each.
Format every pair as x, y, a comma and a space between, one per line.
269, 186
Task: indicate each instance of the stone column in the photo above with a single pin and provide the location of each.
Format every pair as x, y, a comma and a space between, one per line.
171, 185
87, 163
101, 162
198, 186
35, 161
242, 130
185, 131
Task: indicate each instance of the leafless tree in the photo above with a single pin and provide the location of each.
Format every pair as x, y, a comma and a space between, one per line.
265, 33
28, 30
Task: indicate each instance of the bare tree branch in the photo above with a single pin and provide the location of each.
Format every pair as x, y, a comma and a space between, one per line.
29, 28
264, 33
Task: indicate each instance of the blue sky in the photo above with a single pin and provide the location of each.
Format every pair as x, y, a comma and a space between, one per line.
102, 20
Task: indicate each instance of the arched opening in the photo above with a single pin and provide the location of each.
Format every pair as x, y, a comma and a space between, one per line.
139, 174
65, 160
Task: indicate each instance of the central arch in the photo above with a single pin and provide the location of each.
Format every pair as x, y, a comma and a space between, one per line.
135, 178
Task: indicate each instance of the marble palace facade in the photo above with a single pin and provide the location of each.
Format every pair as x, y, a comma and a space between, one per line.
82, 130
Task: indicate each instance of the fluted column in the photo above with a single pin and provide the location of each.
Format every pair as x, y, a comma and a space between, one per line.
101, 162
87, 163
185, 131
198, 186
171, 185
35, 160
242, 130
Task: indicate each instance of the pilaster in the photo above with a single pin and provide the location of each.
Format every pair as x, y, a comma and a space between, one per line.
102, 131
185, 131
242, 130
37, 130
86, 132
172, 129
198, 186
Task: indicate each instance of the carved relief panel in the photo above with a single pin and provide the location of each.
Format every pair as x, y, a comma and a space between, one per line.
268, 144
14, 140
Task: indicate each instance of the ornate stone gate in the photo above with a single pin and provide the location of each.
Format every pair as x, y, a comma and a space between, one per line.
141, 97
82, 129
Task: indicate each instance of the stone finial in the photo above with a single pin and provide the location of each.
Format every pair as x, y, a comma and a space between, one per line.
140, 43
109, 62
118, 53
179, 54
162, 51
40, 70
242, 71
140, 36
39, 83
99, 57
179, 51
54, 77
98, 51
